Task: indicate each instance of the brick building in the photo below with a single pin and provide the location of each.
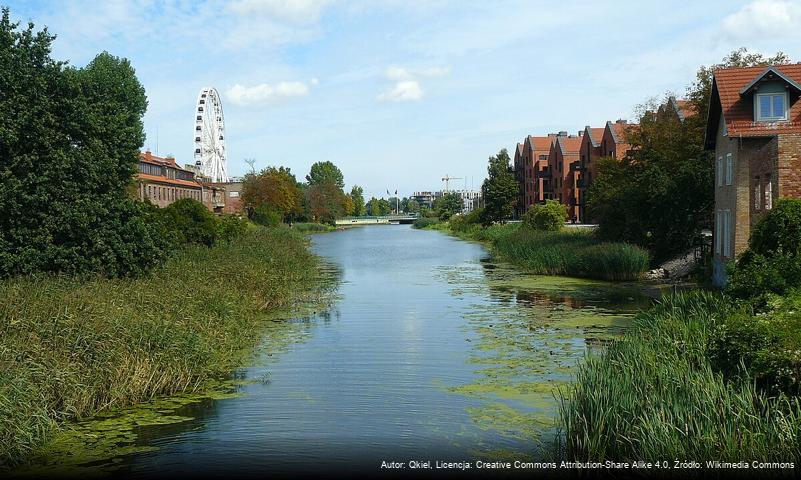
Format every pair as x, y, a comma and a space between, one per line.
563, 160
754, 126
614, 141
531, 167
589, 154
162, 181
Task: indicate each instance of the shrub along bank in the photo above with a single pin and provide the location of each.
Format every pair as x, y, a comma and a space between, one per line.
704, 376
70, 347
571, 252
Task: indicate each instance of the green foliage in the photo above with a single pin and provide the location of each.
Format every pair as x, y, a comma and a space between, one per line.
466, 223
69, 143
771, 265
325, 202
357, 194
325, 172
274, 189
425, 222
412, 206
655, 394
266, 216
312, 227
765, 348
74, 346
499, 190
550, 217
572, 252
190, 222
447, 205
230, 228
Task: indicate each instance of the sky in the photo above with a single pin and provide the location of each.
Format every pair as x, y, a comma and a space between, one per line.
400, 93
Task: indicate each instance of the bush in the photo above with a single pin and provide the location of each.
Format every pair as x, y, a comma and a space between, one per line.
655, 394
466, 223
264, 215
230, 228
772, 264
549, 217
425, 222
190, 222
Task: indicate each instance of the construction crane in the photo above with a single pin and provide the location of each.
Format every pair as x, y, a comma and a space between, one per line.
447, 178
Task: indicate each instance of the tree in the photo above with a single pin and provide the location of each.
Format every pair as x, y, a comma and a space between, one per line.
69, 144
549, 217
447, 205
412, 206
499, 190
357, 194
322, 172
325, 201
661, 195
348, 207
273, 189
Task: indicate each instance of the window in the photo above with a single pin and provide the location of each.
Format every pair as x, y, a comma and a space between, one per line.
757, 196
771, 106
768, 193
727, 233
718, 232
719, 171
729, 168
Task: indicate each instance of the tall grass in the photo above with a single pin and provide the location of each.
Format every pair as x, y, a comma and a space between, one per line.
71, 347
312, 227
655, 395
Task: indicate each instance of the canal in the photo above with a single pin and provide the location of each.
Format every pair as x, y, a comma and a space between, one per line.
430, 351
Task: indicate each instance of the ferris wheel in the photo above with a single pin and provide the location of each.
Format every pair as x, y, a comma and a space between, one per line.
210, 135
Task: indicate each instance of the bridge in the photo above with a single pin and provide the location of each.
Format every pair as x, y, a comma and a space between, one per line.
382, 220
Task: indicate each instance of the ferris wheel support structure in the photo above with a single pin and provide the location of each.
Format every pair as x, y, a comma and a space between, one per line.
210, 156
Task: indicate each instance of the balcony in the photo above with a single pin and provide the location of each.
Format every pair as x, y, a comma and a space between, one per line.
545, 173
577, 167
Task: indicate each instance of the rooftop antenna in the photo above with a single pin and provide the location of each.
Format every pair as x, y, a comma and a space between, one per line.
251, 161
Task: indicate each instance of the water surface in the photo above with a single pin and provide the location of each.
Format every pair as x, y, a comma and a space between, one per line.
432, 352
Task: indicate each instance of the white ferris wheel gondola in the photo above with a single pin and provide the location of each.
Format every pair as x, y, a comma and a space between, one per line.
210, 155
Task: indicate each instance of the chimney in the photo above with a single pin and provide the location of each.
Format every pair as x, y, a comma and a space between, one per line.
551, 135
563, 133
581, 133
620, 121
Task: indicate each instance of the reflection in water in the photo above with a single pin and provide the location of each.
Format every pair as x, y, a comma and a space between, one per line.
432, 351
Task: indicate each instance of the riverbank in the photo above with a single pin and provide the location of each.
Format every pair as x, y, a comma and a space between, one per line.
570, 252
662, 392
73, 347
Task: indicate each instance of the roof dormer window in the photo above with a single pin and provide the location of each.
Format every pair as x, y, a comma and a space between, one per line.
771, 107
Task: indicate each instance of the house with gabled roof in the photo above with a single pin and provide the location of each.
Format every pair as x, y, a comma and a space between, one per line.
614, 142
680, 109
533, 160
754, 127
563, 159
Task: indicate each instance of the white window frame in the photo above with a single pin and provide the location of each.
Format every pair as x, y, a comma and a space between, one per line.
719, 171
768, 194
761, 118
729, 168
718, 232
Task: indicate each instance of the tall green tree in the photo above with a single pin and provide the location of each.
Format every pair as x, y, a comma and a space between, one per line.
69, 144
357, 194
325, 202
499, 190
447, 205
275, 190
322, 172
661, 195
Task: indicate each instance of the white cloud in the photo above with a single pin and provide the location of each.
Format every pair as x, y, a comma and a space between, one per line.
403, 91
295, 11
764, 17
266, 93
407, 87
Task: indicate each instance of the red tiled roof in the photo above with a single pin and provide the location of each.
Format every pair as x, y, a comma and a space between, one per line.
685, 108
594, 134
540, 143
569, 145
171, 181
738, 109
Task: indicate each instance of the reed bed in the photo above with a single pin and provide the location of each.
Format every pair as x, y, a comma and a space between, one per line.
309, 227
655, 395
71, 347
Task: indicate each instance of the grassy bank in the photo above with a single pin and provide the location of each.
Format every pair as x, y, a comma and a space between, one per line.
656, 394
569, 252
72, 347
304, 227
